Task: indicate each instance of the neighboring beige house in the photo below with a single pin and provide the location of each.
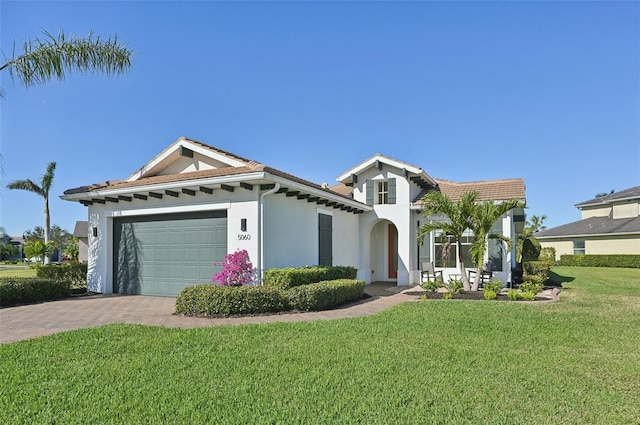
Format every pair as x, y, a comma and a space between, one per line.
610, 225
81, 232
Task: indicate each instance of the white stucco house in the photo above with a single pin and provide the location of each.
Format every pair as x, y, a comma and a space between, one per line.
161, 228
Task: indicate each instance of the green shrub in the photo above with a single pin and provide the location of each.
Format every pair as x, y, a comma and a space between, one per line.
548, 255
592, 260
513, 294
74, 272
527, 295
493, 285
325, 295
24, 290
447, 295
531, 249
290, 277
537, 268
431, 285
489, 294
531, 283
215, 300
454, 286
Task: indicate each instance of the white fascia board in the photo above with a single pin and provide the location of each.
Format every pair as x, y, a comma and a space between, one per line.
606, 203
389, 161
583, 236
168, 210
320, 193
163, 186
173, 148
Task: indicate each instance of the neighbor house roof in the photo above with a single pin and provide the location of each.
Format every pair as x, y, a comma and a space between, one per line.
623, 195
594, 226
81, 230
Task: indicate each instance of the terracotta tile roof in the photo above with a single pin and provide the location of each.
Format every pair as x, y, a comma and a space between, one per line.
342, 189
487, 189
252, 167
167, 178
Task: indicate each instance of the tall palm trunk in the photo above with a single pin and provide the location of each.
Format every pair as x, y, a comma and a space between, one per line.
47, 228
463, 270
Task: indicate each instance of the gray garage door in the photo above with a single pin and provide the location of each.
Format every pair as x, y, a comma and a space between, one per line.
162, 254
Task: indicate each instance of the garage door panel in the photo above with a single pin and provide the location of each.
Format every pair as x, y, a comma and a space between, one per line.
162, 254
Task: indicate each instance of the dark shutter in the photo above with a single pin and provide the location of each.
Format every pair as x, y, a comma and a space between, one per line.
369, 191
392, 190
325, 240
495, 248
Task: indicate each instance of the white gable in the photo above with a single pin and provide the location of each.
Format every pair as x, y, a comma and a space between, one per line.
185, 156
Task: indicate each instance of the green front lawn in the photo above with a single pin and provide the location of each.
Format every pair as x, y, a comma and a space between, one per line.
568, 362
7, 271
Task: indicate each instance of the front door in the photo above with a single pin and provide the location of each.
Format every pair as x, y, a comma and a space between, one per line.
392, 250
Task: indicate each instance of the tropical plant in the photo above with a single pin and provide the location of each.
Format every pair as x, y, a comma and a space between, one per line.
51, 57
484, 216
526, 241
72, 250
46, 182
38, 249
457, 220
237, 270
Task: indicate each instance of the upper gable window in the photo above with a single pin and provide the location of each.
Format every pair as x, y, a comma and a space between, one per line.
381, 191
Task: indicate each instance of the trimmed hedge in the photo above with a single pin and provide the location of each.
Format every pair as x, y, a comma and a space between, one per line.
325, 295
290, 277
593, 260
537, 268
25, 290
216, 300
76, 273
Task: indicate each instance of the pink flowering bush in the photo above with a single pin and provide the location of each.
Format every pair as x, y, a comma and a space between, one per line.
237, 270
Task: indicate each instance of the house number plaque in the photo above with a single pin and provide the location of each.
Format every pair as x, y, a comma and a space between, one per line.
244, 237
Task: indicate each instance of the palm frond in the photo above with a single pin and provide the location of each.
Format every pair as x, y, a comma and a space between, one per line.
53, 57
47, 178
27, 185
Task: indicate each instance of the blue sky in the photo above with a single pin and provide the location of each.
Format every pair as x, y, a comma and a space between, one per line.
546, 91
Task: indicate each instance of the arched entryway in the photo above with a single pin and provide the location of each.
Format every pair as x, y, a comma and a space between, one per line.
384, 252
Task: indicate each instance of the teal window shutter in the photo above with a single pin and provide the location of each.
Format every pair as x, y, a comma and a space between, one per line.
392, 191
369, 190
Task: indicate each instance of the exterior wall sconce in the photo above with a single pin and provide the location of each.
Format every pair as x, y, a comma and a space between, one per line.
243, 224
95, 232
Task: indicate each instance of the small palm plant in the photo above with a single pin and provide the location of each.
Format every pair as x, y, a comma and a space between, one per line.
38, 249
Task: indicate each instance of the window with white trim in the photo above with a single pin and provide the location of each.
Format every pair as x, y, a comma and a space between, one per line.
383, 192
578, 247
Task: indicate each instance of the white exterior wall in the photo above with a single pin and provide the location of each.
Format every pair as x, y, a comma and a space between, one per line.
374, 239
291, 233
241, 203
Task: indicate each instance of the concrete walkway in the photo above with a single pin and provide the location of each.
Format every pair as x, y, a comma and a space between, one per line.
30, 321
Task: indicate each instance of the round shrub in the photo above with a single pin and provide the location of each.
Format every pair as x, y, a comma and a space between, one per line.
213, 300
325, 295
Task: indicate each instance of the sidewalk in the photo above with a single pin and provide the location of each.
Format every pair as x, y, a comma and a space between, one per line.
30, 321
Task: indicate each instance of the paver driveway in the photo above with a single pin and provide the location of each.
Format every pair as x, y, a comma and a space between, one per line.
24, 322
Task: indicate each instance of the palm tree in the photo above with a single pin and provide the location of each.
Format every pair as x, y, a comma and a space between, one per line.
458, 219
43, 190
485, 215
42, 60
